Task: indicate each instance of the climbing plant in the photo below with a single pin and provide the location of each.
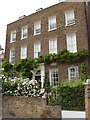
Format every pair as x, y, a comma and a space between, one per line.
83, 68
24, 66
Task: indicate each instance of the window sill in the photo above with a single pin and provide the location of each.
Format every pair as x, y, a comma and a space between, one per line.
37, 34
12, 41
52, 29
24, 38
70, 25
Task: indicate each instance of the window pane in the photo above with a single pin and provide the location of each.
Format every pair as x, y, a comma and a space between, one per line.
37, 28
54, 76
73, 73
24, 32
70, 18
12, 56
53, 46
23, 52
52, 23
13, 36
37, 50
71, 43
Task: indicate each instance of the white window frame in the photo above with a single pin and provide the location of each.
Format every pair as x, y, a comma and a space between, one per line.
50, 76
71, 46
23, 55
12, 57
49, 23
76, 76
35, 28
22, 32
54, 47
71, 21
35, 52
12, 39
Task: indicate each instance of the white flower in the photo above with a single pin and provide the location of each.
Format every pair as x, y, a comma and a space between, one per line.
42, 91
23, 83
44, 96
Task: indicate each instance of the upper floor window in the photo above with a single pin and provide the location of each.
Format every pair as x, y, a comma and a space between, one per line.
37, 50
72, 43
70, 18
52, 23
13, 36
23, 52
53, 46
37, 28
73, 73
53, 76
12, 56
24, 32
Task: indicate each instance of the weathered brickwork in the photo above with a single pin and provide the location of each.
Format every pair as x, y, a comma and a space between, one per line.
87, 100
80, 28
27, 107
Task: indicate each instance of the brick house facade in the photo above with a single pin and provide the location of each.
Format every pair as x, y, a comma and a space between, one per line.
61, 26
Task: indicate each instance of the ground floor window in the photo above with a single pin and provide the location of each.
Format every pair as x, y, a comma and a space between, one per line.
73, 73
53, 77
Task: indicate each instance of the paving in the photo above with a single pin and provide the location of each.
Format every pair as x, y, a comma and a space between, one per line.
73, 114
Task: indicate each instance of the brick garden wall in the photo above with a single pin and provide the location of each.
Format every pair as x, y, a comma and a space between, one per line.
87, 101
26, 107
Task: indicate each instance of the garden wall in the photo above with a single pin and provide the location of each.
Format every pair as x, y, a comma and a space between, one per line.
27, 107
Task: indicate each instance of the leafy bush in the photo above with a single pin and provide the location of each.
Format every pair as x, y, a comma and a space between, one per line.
70, 95
21, 87
22, 68
7, 68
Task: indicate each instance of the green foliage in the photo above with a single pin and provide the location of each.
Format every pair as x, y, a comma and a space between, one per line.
7, 66
70, 95
22, 68
83, 75
64, 56
21, 87
25, 66
9, 87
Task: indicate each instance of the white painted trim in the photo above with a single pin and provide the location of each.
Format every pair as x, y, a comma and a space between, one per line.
10, 54
42, 75
50, 77
22, 32
21, 51
50, 74
66, 17
39, 22
49, 23
49, 44
75, 67
11, 36
75, 40
34, 48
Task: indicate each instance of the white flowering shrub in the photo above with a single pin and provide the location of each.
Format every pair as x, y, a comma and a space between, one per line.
21, 87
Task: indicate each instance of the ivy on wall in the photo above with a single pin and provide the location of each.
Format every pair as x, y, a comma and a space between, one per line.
24, 66
64, 56
83, 75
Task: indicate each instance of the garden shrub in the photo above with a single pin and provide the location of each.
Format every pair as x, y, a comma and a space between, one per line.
70, 95
21, 87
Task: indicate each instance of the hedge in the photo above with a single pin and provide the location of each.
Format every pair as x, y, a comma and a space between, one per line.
70, 96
